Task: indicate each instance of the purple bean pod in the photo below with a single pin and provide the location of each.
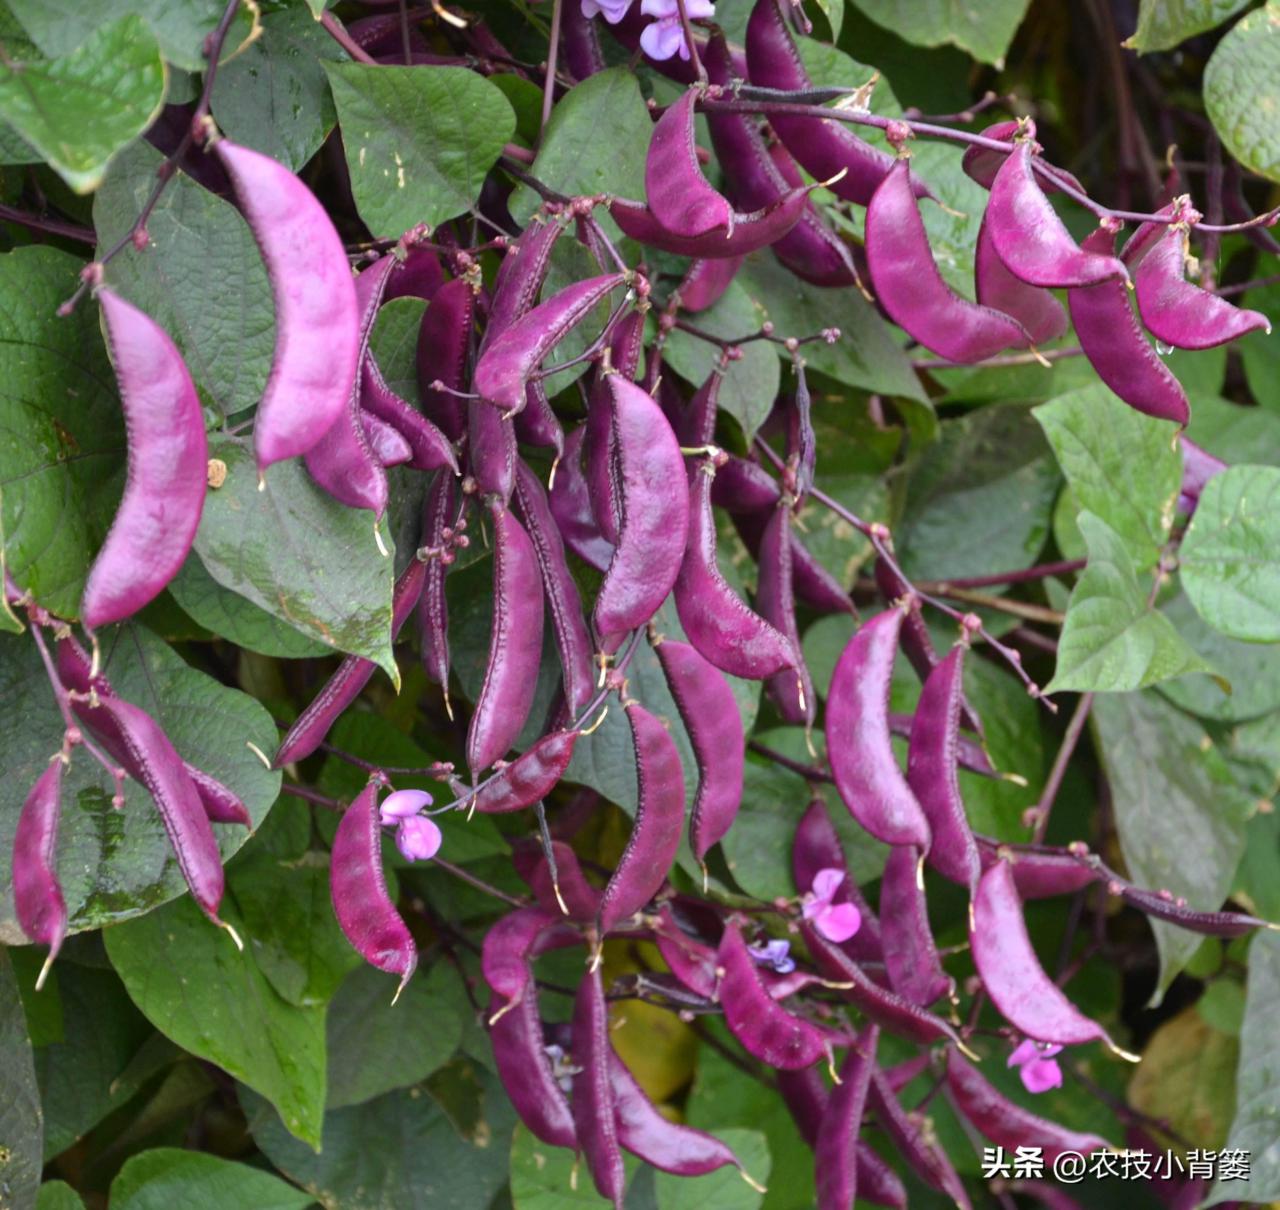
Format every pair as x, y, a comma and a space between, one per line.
969, 753
1198, 467
697, 424
221, 804
165, 484
444, 341
493, 453
352, 675
317, 353
419, 275
1163, 905
705, 282
513, 942
995, 286
814, 585
680, 198
530, 777
37, 897
835, 1158
594, 1106
581, 900
570, 502
816, 846
910, 289
388, 445
1116, 347
439, 514
981, 164
710, 716
536, 423
749, 233
524, 1067
922, 1155
741, 486
792, 689
910, 956
1040, 875
580, 43
428, 447
515, 645
1145, 236
690, 961
521, 275
600, 458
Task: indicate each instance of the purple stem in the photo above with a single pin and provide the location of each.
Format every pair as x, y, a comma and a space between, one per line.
337, 31
1075, 727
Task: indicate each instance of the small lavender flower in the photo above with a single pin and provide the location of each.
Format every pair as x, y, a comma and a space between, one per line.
1036, 1065
775, 954
665, 36
835, 921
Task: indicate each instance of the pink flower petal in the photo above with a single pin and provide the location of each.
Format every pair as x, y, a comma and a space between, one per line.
1041, 1075
826, 883
1027, 1052
839, 922
418, 838
400, 804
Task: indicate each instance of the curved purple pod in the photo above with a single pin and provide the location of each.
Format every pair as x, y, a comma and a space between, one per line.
1030, 238
680, 198
910, 956
792, 689
37, 897
386, 442
1145, 235
866, 772
352, 675
835, 1158
1198, 467
711, 718
366, 915
690, 961
697, 425
570, 502
922, 1154
594, 1108
570, 886
805, 1094
1041, 875
1116, 347
655, 834
816, 846
444, 342
655, 514
165, 483
1011, 973
528, 778
523, 1066
521, 275
429, 448
419, 275
317, 353
932, 772
1042, 315
515, 645
221, 804
981, 164
438, 515
969, 753
563, 602
749, 232
492, 449
508, 362
705, 282
1005, 1123
1179, 312
513, 942
600, 459
742, 486
824, 148
718, 623
912, 292
815, 586
580, 43
536, 423
1164, 906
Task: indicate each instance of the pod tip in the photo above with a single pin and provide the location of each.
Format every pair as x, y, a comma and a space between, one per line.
1127, 1055
404, 980
48, 965
502, 1012
258, 752
967, 1052
755, 1184
377, 537
1015, 779
222, 924
555, 886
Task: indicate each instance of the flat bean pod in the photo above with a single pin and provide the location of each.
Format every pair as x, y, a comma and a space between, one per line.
750, 232
698, 422
705, 282
995, 286
922, 1155
536, 423
1198, 467
521, 276
37, 896
444, 341
513, 942
569, 886
433, 608
530, 777
429, 448
982, 164
791, 689
835, 1157
386, 442
594, 1105
679, 196
570, 501
521, 1060
492, 441
580, 44
910, 956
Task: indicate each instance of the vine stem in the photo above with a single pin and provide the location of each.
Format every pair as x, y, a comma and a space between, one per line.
1041, 571
1005, 359
687, 27
50, 226
338, 32
553, 52
1075, 727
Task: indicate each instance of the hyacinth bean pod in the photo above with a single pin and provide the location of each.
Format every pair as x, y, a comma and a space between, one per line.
536, 423
969, 753
317, 353
814, 585
714, 725
159, 513
858, 745
1179, 312
221, 804
580, 43
791, 690
570, 501
1041, 875
604, 488
655, 514
655, 834
912, 292
1031, 239
37, 897
1164, 906
515, 645
508, 362
802, 441
722, 628
366, 915
626, 344
1017, 984
523, 1066
530, 777
922, 1155
749, 232
932, 772
521, 275
428, 447
824, 148
1117, 347
744, 487
679, 196
352, 675
995, 286
492, 439
981, 163
1145, 235
910, 956
690, 961
513, 942
1005, 1123
765, 1029
388, 446
569, 887
433, 609
444, 341
1198, 467
705, 282
835, 1158
697, 424
594, 1108
419, 275
816, 846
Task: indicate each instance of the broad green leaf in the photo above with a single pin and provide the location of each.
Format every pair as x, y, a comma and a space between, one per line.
1114, 640
279, 78
1257, 1082
980, 499
1230, 556
317, 7
296, 552
21, 1116
723, 1189
58, 1195
1260, 353
168, 1176
985, 31
1178, 812
1163, 24
1234, 433
113, 864
79, 110
1121, 465
749, 386
1242, 89
394, 345
418, 143
223, 321
9, 620
595, 142
192, 983
545, 1178
1222, 1006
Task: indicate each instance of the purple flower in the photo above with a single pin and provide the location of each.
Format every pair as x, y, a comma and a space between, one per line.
835, 921
418, 838
401, 804
1036, 1065
775, 954
665, 37
611, 10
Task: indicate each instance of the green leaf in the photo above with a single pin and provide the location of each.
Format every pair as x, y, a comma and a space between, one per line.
546, 1178
1163, 24
1235, 433
111, 863
418, 143
10, 623
1230, 556
1222, 1006
279, 78
1261, 356
394, 344
223, 321
723, 1189
1114, 640
296, 552
58, 1195
168, 1176
1121, 465
1242, 90
596, 142
21, 1118
985, 31
1257, 1081
213, 1000
1178, 812
750, 385
79, 110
